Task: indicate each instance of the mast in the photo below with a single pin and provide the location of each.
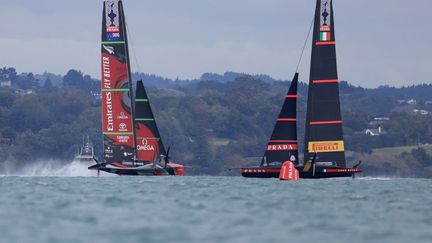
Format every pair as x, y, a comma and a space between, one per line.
117, 106
283, 144
130, 76
149, 141
324, 135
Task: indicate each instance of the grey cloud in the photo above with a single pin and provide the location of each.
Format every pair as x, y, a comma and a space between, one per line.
379, 42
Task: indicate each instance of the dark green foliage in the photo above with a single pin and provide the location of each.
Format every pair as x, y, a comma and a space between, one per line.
48, 86
209, 125
77, 80
27, 81
421, 156
49, 125
8, 74
422, 91
7, 99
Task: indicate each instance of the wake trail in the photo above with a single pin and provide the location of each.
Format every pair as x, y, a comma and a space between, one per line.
52, 168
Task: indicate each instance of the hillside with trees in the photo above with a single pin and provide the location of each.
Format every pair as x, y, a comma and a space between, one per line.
213, 123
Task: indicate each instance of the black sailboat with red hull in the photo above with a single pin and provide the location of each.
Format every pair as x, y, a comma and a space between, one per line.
132, 143
324, 153
283, 144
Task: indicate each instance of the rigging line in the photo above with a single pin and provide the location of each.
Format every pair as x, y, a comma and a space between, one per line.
134, 52
305, 149
305, 43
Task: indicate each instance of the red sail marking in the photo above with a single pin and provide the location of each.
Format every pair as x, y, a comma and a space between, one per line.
115, 118
119, 165
147, 144
286, 119
320, 43
325, 81
292, 96
117, 72
325, 122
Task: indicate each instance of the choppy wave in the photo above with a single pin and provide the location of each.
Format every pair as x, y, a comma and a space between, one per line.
379, 178
213, 210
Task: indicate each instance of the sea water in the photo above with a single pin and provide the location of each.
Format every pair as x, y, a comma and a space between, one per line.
213, 209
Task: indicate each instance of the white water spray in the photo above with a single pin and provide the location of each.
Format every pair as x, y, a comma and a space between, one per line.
54, 168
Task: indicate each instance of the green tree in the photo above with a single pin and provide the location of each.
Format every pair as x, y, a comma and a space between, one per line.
73, 78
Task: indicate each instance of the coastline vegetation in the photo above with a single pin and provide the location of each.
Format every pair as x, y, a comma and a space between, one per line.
213, 123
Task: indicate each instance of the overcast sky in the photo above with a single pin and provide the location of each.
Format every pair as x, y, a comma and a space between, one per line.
378, 42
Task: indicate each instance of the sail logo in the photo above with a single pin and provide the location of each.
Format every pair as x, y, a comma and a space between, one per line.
325, 28
326, 146
126, 154
145, 146
122, 116
282, 147
325, 21
113, 36
108, 95
109, 49
108, 150
106, 72
122, 127
109, 112
123, 139
325, 15
112, 16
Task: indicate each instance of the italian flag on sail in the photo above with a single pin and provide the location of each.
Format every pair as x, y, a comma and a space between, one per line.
324, 36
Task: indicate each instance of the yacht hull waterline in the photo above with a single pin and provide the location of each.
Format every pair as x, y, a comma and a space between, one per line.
145, 170
320, 172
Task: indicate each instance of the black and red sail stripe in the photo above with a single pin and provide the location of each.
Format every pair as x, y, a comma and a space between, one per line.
149, 142
283, 143
323, 119
117, 109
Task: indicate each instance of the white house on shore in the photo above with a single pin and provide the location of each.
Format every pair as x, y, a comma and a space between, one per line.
421, 112
374, 131
5, 83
